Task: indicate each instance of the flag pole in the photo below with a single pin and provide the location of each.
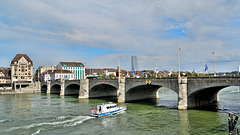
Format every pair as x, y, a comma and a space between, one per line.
178, 62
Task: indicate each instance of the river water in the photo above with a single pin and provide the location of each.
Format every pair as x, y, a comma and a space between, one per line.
42, 114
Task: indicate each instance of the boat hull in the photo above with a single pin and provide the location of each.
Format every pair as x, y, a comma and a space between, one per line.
108, 113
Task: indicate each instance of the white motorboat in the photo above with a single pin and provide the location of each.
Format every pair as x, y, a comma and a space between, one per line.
107, 109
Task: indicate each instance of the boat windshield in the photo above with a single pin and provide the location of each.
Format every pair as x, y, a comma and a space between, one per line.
109, 107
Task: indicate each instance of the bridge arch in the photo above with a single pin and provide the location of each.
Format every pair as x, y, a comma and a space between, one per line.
55, 89
170, 83
103, 90
203, 91
141, 89
44, 89
141, 92
72, 89
205, 97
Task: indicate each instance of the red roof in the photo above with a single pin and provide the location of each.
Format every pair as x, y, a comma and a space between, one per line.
71, 64
19, 56
62, 71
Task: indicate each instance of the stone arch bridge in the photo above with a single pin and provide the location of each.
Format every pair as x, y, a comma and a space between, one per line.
192, 91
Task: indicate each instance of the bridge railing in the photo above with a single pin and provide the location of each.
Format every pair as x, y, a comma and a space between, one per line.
215, 77
152, 78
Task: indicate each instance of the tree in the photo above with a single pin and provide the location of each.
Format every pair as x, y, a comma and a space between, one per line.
112, 76
151, 72
188, 74
103, 76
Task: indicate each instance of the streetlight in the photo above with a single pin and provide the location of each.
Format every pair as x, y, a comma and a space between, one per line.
178, 62
155, 67
214, 63
119, 69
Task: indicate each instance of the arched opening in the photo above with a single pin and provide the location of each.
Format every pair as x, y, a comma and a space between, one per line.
229, 100
142, 92
167, 98
44, 89
103, 90
72, 89
205, 98
55, 89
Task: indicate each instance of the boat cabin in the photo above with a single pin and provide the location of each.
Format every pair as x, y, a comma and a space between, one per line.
104, 108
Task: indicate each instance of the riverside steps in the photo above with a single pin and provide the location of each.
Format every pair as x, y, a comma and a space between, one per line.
192, 91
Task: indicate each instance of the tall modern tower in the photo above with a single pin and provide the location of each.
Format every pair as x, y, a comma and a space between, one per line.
134, 63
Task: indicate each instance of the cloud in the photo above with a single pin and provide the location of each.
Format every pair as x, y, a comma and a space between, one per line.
146, 28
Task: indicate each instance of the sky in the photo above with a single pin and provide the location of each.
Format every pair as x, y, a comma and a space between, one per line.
99, 32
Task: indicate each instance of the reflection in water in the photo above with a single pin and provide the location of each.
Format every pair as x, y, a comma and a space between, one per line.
183, 122
22, 104
83, 100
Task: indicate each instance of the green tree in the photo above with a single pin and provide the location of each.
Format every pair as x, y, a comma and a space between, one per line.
103, 76
112, 76
188, 74
151, 72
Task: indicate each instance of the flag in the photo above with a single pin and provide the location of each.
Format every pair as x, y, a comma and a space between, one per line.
170, 73
206, 68
66, 76
193, 71
133, 72
156, 70
106, 72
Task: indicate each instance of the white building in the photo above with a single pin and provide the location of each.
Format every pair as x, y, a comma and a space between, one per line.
42, 70
47, 75
21, 69
77, 68
61, 74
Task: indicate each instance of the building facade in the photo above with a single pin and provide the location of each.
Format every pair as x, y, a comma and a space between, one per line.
134, 63
5, 75
77, 68
42, 71
62, 74
21, 69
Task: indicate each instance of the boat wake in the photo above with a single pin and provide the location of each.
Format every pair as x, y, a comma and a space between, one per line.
62, 121
3, 121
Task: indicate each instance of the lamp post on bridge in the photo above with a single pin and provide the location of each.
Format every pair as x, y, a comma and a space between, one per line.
214, 63
178, 62
119, 69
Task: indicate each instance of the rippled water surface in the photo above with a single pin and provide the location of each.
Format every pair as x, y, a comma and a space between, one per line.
42, 114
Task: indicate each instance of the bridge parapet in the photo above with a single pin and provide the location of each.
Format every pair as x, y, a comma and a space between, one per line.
69, 82
199, 83
95, 82
171, 83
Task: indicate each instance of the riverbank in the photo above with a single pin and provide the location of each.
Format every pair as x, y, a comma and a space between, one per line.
3, 92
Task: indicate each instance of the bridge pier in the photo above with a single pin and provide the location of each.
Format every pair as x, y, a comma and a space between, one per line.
84, 89
62, 92
182, 93
121, 91
48, 87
